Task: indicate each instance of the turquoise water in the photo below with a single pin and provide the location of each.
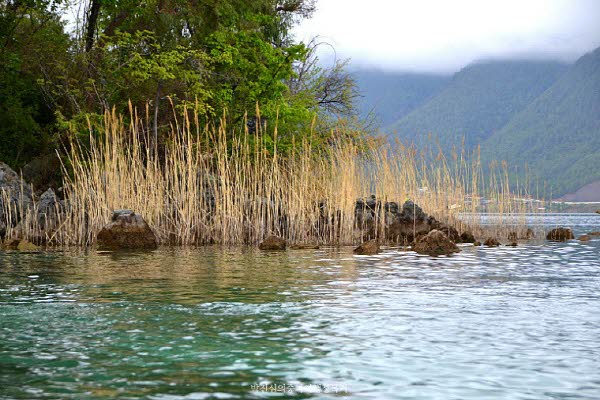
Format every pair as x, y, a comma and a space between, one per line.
508, 323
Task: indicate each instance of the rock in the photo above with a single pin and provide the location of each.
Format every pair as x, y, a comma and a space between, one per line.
595, 233
467, 237
560, 235
513, 244
20, 244
477, 243
435, 243
273, 243
451, 233
11, 244
25, 245
127, 230
44, 171
529, 234
597, 211
491, 242
584, 238
408, 223
369, 247
49, 206
304, 246
16, 192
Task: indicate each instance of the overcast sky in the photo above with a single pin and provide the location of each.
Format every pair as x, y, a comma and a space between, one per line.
445, 35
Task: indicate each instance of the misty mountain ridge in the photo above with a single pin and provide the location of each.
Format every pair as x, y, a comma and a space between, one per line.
389, 96
558, 134
478, 100
541, 113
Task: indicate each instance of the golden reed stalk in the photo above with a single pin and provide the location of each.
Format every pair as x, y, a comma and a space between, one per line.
213, 186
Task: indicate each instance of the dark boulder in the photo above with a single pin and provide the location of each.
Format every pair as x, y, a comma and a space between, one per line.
560, 235
408, 223
126, 230
435, 243
491, 242
467, 237
368, 248
273, 243
451, 233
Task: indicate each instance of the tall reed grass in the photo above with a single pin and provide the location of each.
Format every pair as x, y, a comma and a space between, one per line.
215, 185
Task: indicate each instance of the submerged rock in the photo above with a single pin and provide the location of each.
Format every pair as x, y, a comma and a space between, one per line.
369, 247
595, 233
491, 242
26, 245
435, 243
127, 230
11, 244
304, 246
560, 235
20, 244
273, 243
584, 238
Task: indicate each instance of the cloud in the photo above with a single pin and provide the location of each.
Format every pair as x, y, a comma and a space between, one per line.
443, 36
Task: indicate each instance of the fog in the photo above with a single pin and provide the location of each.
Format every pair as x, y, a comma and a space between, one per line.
443, 36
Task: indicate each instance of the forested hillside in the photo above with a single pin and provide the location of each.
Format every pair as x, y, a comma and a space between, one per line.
479, 100
389, 96
558, 134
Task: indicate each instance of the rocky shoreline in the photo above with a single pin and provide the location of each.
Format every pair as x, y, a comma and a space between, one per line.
375, 221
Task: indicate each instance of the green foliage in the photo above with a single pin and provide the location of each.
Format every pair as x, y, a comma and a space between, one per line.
160, 58
31, 39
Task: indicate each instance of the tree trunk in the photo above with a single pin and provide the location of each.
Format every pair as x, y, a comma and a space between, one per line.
92, 21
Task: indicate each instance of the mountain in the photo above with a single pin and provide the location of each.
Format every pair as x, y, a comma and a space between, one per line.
558, 134
392, 95
478, 101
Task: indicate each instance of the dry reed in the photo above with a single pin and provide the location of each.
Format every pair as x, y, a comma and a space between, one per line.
212, 185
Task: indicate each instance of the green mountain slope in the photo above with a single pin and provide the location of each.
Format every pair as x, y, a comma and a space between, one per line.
392, 95
479, 100
558, 134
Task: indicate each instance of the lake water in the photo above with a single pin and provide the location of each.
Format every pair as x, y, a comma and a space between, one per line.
502, 323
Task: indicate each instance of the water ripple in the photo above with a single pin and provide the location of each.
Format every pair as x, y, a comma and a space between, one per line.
212, 323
